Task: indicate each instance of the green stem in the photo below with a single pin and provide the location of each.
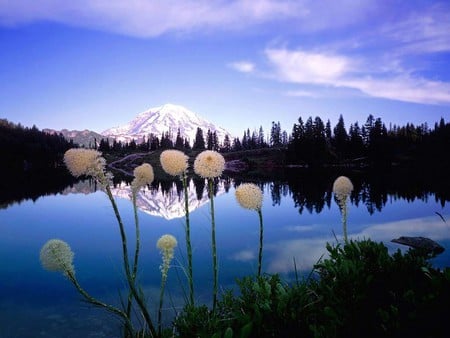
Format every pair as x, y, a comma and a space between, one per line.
136, 252
126, 262
344, 219
161, 297
261, 234
213, 243
124, 316
188, 241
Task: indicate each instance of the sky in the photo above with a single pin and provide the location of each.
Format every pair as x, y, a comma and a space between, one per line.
95, 64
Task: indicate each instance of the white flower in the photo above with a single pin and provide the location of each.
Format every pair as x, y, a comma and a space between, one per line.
166, 245
209, 164
174, 162
342, 187
56, 255
249, 196
143, 175
81, 161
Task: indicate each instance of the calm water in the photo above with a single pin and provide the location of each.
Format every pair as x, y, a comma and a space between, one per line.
300, 216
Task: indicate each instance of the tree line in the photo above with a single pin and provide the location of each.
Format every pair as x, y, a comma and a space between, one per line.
25, 149
316, 143
312, 142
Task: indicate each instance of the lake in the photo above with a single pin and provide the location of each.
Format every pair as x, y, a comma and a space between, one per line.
300, 216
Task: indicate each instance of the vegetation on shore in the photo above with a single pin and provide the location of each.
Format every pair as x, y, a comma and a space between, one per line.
359, 290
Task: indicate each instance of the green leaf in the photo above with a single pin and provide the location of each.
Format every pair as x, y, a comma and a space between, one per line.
228, 333
246, 330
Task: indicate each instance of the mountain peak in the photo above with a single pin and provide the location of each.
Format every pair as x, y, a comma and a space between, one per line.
165, 118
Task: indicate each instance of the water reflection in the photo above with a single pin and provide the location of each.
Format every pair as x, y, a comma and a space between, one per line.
300, 217
311, 190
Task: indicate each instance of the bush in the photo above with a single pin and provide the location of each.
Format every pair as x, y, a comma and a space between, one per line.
359, 291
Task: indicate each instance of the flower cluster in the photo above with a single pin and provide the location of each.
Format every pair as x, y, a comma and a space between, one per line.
249, 196
56, 255
209, 164
87, 162
174, 162
81, 161
143, 175
342, 187
166, 245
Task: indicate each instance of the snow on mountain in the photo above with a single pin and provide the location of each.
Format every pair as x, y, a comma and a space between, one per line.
166, 205
159, 120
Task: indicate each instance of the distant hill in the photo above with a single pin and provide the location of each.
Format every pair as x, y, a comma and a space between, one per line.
85, 138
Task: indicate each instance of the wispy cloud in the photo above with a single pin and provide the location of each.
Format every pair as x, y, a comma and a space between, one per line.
305, 67
242, 66
149, 18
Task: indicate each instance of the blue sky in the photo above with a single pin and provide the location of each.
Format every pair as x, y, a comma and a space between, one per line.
94, 64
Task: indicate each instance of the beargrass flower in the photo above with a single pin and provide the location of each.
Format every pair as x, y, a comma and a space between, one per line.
81, 161
249, 196
209, 164
166, 245
342, 187
56, 255
174, 162
143, 175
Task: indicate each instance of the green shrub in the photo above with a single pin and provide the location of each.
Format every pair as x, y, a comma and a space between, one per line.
359, 291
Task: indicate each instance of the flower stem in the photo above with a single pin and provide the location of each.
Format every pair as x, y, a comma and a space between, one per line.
125, 317
188, 240
161, 297
213, 243
261, 235
136, 252
131, 283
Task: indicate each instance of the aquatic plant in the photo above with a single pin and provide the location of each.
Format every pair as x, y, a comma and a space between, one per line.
342, 188
174, 162
249, 196
210, 164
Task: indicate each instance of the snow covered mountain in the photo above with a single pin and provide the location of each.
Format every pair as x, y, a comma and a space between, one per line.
166, 205
159, 120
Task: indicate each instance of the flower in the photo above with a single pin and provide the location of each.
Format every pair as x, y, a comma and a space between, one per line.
174, 162
342, 187
56, 255
209, 164
166, 245
143, 175
249, 196
81, 161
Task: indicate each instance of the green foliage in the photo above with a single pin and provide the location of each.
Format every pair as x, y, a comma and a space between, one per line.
367, 292
360, 290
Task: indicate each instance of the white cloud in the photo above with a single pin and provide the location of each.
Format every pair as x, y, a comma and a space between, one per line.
424, 31
304, 67
243, 66
148, 18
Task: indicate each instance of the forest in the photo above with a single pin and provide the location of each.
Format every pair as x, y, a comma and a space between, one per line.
312, 143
